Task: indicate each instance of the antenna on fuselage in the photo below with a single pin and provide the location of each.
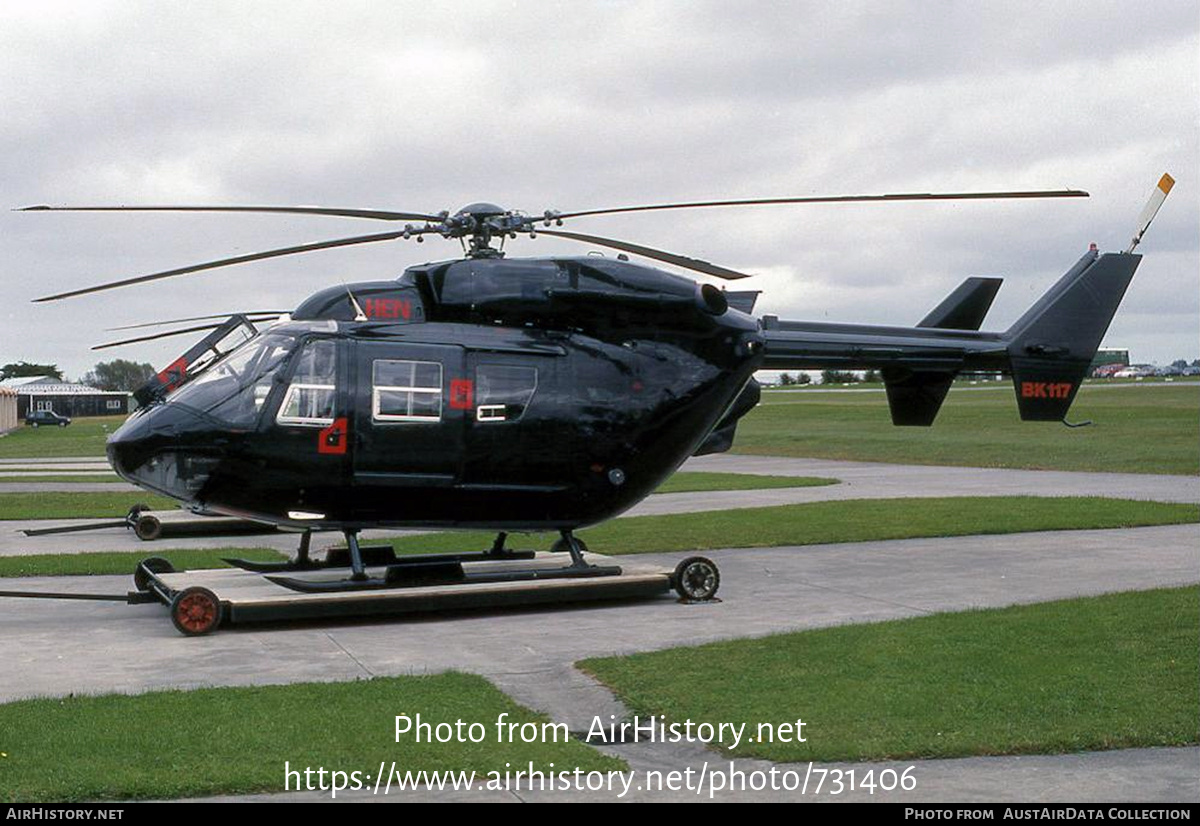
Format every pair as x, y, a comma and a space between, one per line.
359, 315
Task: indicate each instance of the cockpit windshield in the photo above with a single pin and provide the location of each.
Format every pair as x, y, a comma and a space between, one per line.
235, 388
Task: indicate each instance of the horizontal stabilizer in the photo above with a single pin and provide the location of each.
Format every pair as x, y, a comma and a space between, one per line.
915, 397
964, 308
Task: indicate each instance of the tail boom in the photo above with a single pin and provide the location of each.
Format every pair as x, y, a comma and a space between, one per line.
1047, 351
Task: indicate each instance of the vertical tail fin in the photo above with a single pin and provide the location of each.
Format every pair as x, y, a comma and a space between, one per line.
964, 308
1051, 346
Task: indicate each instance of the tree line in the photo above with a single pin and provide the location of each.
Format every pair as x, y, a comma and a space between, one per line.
118, 375
831, 377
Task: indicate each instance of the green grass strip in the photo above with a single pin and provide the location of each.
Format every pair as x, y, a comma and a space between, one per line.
856, 520
124, 562
83, 437
693, 481
1144, 429
78, 504
1117, 671
107, 478
171, 744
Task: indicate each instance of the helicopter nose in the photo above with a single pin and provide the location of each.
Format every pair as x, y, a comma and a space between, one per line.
157, 449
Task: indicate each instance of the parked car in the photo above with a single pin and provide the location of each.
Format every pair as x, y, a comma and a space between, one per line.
45, 418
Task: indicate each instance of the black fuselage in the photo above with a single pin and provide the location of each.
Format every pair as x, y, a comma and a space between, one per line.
563, 402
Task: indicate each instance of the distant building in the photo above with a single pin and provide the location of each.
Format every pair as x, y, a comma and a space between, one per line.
1110, 355
64, 398
8, 410
1108, 362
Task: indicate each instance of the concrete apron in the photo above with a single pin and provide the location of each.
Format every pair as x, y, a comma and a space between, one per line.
52, 648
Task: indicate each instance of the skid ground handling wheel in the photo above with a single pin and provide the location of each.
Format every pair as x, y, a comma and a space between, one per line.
196, 611
696, 579
149, 567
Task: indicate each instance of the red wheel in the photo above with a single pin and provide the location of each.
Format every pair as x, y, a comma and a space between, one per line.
196, 611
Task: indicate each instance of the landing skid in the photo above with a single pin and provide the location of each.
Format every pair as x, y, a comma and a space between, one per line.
422, 575
429, 569
372, 556
409, 572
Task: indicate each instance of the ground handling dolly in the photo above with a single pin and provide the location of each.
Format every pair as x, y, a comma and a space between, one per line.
383, 584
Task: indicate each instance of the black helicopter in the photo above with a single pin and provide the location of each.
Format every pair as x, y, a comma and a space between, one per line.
537, 394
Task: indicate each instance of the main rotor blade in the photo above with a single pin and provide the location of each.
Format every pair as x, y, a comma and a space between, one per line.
840, 199
658, 255
376, 214
251, 314
225, 262
167, 334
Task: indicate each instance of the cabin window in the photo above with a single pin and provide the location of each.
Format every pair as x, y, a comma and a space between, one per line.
406, 391
312, 394
502, 392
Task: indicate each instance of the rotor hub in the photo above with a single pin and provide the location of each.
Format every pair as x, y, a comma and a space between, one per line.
479, 223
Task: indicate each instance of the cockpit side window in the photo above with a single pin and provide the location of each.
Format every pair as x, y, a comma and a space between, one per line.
312, 393
234, 389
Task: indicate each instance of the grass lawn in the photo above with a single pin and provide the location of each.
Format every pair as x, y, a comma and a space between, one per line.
692, 481
856, 520
106, 478
1143, 429
124, 562
78, 504
172, 744
1117, 671
83, 437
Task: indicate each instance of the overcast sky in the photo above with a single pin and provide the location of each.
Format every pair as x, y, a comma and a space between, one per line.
426, 106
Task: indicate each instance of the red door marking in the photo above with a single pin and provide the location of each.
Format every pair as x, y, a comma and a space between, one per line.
462, 394
333, 439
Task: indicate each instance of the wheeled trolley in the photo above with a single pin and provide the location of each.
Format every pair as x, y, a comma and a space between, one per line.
200, 602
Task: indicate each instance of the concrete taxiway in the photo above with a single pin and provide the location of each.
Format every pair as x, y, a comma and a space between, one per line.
54, 647
51, 647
